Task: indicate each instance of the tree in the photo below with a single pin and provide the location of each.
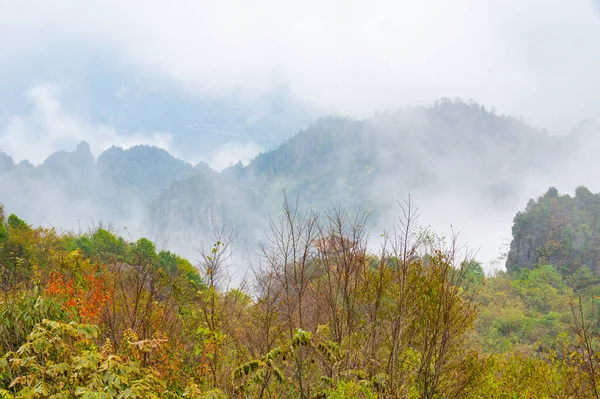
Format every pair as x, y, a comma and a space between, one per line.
61, 360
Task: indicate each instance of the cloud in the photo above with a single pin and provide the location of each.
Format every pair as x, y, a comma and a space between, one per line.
231, 153
533, 57
49, 128
536, 58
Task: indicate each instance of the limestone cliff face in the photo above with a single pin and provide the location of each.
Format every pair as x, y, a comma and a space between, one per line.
522, 254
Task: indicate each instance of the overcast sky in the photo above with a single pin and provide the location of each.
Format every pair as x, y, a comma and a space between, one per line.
535, 58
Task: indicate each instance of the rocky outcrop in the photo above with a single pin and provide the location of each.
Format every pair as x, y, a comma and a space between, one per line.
558, 230
522, 254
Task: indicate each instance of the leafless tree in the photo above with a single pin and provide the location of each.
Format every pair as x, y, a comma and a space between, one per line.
288, 256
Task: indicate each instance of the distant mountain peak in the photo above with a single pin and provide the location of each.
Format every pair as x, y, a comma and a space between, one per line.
25, 164
146, 168
83, 148
6, 162
82, 151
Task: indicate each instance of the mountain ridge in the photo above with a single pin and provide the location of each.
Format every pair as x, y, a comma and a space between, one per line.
443, 151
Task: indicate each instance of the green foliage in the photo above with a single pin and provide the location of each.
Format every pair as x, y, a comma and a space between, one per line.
175, 265
583, 278
527, 310
14, 222
85, 244
3, 230
348, 390
17, 251
61, 360
559, 230
143, 251
474, 274
99, 317
107, 245
20, 312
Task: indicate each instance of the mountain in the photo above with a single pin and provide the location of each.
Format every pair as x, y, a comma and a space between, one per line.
559, 230
6, 163
449, 149
72, 189
144, 169
464, 164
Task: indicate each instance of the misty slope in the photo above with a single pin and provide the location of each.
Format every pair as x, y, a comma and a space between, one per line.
71, 187
191, 210
451, 148
464, 164
143, 169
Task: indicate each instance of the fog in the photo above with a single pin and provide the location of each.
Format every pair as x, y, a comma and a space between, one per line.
48, 127
534, 58
237, 79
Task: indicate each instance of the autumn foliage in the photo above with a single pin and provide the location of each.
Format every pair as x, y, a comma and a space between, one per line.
86, 300
320, 315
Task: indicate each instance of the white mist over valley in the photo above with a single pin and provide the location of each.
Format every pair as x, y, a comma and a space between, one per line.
172, 125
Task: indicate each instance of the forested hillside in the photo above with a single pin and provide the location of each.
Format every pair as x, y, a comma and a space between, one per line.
560, 230
451, 154
320, 316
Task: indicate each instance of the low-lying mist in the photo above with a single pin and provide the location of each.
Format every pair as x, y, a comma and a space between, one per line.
467, 170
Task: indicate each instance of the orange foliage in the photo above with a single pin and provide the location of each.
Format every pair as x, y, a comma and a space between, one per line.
210, 349
86, 298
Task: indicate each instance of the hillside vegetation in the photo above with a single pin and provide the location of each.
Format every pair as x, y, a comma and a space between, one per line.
559, 230
97, 316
